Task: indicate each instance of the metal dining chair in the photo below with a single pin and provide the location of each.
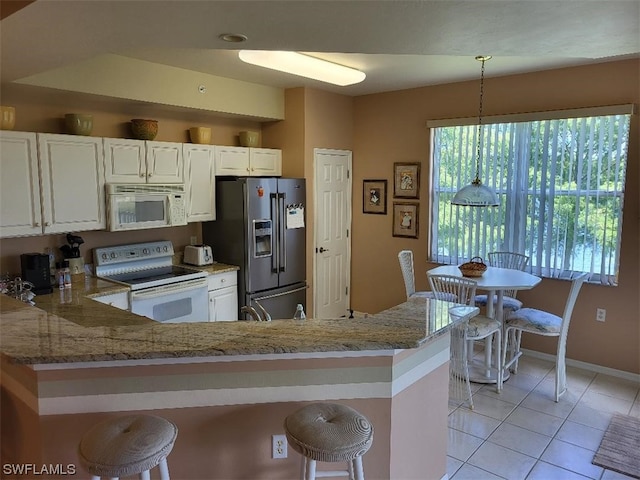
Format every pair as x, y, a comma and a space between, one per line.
405, 257
515, 261
540, 322
462, 290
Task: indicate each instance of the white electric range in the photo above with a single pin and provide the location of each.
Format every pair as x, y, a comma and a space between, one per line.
159, 290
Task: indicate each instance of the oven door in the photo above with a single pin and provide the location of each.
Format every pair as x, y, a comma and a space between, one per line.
175, 303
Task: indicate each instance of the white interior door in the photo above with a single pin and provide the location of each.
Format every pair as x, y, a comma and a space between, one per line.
332, 258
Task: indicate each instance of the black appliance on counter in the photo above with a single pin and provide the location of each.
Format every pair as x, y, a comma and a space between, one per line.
260, 227
35, 269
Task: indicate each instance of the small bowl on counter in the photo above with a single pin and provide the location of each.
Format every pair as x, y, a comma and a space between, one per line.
7, 118
249, 139
78, 124
201, 135
144, 129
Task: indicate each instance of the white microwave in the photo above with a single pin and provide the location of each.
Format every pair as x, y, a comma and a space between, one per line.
139, 206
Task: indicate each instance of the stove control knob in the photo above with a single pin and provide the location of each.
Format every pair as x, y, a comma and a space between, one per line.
165, 248
158, 249
104, 256
145, 251
113, 254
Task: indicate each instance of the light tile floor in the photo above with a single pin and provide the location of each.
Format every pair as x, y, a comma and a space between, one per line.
523, 434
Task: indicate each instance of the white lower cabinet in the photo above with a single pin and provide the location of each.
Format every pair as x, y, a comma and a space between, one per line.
223, 297
119, 300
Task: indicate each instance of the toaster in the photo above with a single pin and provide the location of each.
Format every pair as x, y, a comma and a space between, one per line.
198, 255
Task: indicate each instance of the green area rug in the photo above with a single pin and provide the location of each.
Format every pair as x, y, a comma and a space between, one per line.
620, 447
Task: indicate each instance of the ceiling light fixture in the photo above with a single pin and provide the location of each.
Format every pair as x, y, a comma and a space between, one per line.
476, 194
233, 37
303, 65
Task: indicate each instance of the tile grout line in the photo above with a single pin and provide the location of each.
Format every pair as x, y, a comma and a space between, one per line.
519, 404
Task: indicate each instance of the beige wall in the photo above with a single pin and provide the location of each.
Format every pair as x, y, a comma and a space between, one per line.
391, 127
380, 130
314, 119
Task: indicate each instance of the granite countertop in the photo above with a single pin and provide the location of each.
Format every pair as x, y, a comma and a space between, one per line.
83, 330
213, 269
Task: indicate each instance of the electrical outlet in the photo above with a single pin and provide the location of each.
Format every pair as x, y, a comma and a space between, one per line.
601, 314
194, 240
278, 446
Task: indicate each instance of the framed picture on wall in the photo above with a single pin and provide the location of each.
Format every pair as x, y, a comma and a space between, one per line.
374, 196
405, 220
406, 180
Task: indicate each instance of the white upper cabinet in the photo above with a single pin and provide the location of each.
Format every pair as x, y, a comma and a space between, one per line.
265, 162
50, 184
246, 161
20, 208
72, 180
200, 181
140, 161
165, 163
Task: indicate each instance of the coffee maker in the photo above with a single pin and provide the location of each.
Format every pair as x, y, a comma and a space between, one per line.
35, 269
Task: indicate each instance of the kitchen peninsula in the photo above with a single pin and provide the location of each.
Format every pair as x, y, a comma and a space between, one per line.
228, 386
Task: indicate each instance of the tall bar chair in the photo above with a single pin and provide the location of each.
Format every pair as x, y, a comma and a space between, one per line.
129, 445
329, 432
463, 290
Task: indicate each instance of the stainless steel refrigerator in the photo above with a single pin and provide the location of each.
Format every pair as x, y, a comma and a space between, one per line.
260, 226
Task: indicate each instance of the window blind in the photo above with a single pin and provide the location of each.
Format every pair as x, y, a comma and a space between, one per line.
561, 188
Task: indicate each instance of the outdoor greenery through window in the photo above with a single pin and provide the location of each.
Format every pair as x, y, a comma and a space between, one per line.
560, 183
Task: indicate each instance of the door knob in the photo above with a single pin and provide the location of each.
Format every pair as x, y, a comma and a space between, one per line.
323, 250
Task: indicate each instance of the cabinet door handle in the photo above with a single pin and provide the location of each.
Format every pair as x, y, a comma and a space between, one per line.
36, 224
141, 174
222, 280
47, 224
150, 174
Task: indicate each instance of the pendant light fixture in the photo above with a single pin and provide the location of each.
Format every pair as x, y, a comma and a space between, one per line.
476, 194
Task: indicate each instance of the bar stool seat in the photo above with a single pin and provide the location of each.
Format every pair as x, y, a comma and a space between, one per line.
129, 445
329, 432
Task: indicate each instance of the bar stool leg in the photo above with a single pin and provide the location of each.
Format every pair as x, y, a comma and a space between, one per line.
311, 470
164, 469
303, 468
145, 475
359, 470
350, 465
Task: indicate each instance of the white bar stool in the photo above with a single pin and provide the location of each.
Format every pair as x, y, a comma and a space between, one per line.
125, 446
329, 432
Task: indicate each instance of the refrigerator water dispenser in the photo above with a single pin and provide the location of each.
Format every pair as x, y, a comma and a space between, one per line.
262, 238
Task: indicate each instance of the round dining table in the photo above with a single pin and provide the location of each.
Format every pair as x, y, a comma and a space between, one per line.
494, 281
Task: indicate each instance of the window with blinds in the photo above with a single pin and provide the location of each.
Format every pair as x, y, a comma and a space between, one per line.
561, 186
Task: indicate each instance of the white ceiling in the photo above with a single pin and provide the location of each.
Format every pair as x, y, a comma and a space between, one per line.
398, 44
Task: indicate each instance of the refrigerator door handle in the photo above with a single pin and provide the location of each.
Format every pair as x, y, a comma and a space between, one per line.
282, 241
276, 295
275, 256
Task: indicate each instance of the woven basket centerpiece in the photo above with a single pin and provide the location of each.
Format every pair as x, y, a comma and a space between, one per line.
473, 268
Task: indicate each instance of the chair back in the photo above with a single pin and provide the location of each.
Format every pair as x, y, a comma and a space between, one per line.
576, 285
454, 289
512, 260
515, 261
405, 257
